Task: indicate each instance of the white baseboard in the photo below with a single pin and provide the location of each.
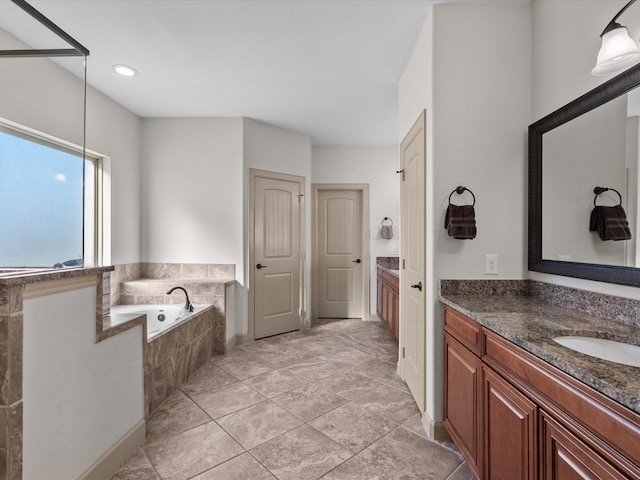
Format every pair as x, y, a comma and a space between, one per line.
228, 346
435, 430
110, 461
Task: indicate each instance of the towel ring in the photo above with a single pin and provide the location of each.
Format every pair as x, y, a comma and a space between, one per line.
599, 190
460, 190
387, 219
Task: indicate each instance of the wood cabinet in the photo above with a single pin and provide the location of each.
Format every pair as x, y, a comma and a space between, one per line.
509, 424
524, 418
388, 304
462, 413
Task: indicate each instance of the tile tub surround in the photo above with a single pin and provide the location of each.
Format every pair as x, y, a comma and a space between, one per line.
154, 291
530, 314
12, 287
172, 357
133, 283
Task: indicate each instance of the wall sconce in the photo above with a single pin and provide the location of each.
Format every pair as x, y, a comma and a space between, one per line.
618, 50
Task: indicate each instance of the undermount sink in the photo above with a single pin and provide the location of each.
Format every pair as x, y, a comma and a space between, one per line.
613, 351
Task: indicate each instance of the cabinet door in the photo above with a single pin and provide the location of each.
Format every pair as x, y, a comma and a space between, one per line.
462, 384
380, 298
565, 457
395, 315
510, 431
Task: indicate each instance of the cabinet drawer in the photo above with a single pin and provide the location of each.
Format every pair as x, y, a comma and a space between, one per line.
463, 329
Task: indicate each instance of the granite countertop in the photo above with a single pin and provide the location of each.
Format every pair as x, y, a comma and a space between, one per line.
532, 323
35, 275
390, 264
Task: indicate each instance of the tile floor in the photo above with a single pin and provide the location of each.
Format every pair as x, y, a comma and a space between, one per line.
321, 403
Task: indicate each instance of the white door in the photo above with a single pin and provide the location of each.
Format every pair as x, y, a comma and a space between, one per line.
412, 273
339, 254
277, 263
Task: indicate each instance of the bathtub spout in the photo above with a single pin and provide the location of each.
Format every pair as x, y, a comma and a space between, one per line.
187, 306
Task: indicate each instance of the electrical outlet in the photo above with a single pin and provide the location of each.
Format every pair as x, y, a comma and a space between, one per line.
491, 264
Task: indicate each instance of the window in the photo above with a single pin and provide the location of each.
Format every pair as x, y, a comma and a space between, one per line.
49, 202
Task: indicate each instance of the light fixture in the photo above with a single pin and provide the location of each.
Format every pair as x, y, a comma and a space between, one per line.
127, 71
618, 50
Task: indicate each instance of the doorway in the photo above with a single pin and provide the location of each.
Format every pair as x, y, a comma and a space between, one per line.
340, 265
276, 253
413, 267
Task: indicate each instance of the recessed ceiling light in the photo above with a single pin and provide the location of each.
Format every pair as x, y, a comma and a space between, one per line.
125, 70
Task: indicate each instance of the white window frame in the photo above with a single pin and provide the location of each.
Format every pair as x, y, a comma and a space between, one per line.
97, 221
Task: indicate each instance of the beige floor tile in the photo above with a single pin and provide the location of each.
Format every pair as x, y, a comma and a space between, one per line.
390, 403
462, 473
348, 384
309, 401
242, 467
313, 369
275, 382
401, 454
300, 454
177, 414
207, 378
352, 426
227, 399
244, 368
138, 467
258, 423
189, 453
353, 402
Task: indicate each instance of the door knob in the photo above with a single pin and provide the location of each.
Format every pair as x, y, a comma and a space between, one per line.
418, 286
357, 261
259, 266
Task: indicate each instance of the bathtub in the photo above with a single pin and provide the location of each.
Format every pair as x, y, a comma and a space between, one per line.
159, 317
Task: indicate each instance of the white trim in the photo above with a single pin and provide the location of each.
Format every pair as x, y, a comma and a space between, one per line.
110, 461
253, 174
100, 251
363, 188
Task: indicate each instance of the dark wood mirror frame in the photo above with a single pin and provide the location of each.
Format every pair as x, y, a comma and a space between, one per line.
600, 95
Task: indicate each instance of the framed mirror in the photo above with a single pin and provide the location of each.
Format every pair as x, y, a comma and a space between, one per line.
593, 141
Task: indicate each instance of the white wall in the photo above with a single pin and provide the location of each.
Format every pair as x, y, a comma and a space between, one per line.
477, 98
191, 190
376, 166
39, 94
80, 397
563, 54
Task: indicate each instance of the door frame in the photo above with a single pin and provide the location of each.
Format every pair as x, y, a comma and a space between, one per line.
363, 188
301, 181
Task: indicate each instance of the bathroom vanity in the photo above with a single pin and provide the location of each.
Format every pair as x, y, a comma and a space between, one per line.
388, 304
521, 406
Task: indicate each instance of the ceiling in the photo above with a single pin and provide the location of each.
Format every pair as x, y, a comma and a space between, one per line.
326, 68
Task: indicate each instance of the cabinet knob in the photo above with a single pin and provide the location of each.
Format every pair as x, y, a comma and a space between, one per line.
418, 286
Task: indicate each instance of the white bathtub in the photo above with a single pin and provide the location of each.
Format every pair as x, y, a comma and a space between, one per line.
159, 317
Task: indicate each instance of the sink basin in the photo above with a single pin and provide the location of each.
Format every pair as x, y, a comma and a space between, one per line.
613, 351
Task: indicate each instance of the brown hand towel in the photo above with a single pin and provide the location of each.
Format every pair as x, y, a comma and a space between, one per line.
610, 222
460, 222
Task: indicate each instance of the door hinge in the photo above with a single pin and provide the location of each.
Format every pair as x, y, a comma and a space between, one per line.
300, 195
403, 263
402, 352
402, 172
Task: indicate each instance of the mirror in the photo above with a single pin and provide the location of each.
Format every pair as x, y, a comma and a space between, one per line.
591, 142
